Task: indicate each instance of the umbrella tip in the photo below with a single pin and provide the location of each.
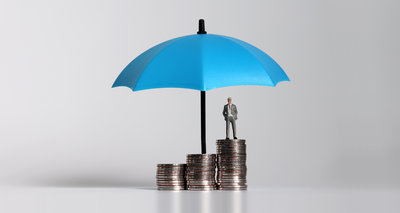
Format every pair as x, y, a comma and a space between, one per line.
202, 29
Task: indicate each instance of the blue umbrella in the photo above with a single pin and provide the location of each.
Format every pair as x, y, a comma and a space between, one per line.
201, 62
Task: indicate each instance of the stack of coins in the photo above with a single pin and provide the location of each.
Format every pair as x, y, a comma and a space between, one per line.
171, 176
200, 173
231, 164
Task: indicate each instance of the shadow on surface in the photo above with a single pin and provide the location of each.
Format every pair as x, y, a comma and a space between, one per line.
81, 182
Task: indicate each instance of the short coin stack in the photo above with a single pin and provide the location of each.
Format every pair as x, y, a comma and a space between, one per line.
200, 173
171, 176
231, 164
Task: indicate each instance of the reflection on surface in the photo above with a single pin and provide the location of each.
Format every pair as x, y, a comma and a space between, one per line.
201, 201
132, 200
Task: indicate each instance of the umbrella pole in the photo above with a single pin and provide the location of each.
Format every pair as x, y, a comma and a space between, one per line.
203, 100
203, 121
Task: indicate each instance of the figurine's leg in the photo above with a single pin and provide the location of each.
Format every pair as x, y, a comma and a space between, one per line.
234, 127
227, 128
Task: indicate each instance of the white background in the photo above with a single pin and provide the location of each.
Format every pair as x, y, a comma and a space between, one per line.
336, 124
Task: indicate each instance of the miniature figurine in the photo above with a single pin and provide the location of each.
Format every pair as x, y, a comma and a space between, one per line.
230, 115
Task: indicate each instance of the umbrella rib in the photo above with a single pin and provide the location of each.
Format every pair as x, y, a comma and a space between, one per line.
250, 52
156, 56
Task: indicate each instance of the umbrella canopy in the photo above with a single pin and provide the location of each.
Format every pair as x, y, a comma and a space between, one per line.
201, 62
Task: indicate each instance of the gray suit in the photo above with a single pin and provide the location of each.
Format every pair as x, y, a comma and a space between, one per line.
230, 119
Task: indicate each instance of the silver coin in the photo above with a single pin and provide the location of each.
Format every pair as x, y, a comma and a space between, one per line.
202, 165
231, 158
201, 179
202, 189
233, 164
231, 155
232, 151
223, 147
232, 184
201, 171
170, 181
171, 188
202, 183
190, 181
194, 175
171, 165
222, 161
228, 148
226, 161
229, 152
171, 177
170, 184
239, 144
171, 172
202, 186
192, 168
199, 174
201, 161
198, 168
234, 140
200, 155
209, 177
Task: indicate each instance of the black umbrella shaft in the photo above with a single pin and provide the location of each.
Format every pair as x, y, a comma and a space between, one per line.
202, 27
203, 121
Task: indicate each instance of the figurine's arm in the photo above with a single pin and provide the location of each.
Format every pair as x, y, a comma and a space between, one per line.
236, 110
224, 112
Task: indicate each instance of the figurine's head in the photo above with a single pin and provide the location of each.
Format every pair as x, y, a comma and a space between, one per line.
229, 100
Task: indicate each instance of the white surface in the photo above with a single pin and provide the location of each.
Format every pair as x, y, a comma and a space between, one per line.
335, 124
120, 200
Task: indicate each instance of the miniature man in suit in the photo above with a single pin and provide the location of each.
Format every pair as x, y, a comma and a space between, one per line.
230, 114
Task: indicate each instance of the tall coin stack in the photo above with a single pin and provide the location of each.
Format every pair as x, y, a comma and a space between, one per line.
171, 176
231, 164
200, 173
